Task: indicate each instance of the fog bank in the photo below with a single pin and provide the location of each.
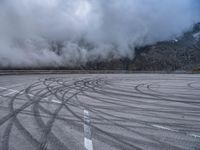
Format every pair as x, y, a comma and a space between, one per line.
54, 33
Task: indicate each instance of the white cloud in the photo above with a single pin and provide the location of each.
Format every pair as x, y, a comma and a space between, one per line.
110, 26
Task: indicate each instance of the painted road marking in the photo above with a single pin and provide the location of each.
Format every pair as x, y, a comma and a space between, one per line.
10, 93
194, 135
14, 85
169, 129
87, 132
162, 127
8, 89
55, 101
16, 91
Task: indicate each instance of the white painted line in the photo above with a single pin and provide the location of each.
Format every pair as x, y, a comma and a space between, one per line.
10, 93
88, 144
8, 89
165, 128
87, 132
31, 95
161, 127
194, 135
46, 98
55, 101
13, 90
14, 85
3, 88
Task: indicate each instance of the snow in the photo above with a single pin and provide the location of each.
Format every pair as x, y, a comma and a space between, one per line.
197, 35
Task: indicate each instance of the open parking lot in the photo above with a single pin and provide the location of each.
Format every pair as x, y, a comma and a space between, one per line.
100, 112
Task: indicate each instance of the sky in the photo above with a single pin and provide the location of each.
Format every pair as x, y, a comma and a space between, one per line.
87, 30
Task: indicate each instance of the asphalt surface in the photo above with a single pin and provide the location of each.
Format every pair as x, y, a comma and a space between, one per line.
100, 112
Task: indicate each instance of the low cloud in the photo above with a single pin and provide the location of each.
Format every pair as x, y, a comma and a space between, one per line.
71, 32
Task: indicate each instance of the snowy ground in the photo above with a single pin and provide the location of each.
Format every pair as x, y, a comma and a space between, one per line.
100, 112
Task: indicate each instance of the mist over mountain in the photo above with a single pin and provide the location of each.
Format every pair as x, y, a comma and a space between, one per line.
67, 33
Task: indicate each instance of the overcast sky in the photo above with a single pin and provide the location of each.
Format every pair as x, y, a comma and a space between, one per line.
27, 27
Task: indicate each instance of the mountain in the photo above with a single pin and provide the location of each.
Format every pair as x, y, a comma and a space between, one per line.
182, 53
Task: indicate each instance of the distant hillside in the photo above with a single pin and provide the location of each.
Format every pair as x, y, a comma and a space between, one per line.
182, 53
